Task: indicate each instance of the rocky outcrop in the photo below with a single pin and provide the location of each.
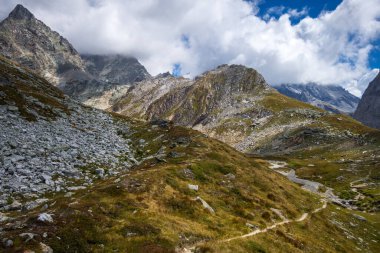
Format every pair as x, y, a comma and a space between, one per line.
28, 41
137, 99
116, 69
328, 97
368, 111
52, 143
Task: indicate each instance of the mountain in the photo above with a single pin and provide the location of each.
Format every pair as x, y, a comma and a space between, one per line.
31, 43
235, 105
161, 171
368, 110
328, 97
115, 68
77, 179
231, 103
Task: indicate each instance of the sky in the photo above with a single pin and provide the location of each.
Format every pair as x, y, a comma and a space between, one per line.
292, 41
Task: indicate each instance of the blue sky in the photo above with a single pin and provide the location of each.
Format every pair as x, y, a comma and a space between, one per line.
313, 8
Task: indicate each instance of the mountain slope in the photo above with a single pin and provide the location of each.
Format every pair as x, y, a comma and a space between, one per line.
328, 97
31, 43
51, 136
127, 185
25, 39
235, 105
368, 110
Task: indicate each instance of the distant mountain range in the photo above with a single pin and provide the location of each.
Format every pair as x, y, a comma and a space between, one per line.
332, 98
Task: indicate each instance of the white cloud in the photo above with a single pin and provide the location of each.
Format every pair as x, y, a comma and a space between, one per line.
356, 86
332, 48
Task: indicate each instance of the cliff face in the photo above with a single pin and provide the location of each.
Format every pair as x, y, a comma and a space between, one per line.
28, 41
368, 111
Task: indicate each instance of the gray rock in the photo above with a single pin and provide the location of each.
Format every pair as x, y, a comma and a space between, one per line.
205, 204
193, 187
359, 217
45, 248
15, 206
368, 111
27, 236
12, 108
8, 243
76, 188
188, 173
45, 217
230, 176
33, 204
99, 172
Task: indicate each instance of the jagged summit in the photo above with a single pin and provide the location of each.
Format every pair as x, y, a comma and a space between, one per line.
234, 78
20, 12
31, 43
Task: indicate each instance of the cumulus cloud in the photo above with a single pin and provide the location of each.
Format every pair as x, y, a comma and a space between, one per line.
197, 35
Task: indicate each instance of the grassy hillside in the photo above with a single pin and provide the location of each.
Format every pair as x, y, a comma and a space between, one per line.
151, 208
189, 192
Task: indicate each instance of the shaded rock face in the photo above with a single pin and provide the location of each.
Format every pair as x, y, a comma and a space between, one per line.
328, 97
28, 41
368, 111
115, 68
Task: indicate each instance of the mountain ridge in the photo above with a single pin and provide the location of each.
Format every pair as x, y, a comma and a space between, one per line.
28, 41
33, 44
332, 98
167, 176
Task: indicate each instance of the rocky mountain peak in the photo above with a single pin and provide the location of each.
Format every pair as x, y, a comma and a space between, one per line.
233, 78
20, 12
31, 43
117, 68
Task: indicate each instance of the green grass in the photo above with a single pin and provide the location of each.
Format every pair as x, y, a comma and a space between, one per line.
152, 206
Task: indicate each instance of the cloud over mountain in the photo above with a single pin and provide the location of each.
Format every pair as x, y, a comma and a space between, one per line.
200, 34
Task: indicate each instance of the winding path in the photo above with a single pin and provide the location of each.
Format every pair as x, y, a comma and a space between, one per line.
285, 221
310, 185
260, 231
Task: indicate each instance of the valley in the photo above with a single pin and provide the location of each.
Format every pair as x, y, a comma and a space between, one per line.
97, 155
